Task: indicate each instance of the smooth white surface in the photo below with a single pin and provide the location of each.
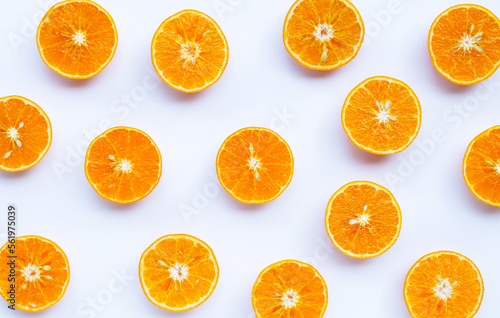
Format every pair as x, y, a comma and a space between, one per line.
261, 80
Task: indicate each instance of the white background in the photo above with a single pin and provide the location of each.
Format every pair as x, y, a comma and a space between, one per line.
261, 81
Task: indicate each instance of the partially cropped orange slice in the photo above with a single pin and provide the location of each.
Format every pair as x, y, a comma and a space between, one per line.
178, 272
25, 133
41, 272
363, 219
443, 285
289, 289
382, 115
77, 38
323, 34
254, 165
189, 51
481, 166
464, 44
123, 164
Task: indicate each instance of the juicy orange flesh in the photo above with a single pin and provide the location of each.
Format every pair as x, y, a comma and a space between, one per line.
201, 269
466, 289
41, 292
481, 162
382, 226
57, 38
362, 111
458, 63
304, 22
280, 279
34, 134
274, 159
189, 51
135, 148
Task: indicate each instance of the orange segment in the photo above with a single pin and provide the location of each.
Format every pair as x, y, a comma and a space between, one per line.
123, 165
41, 273
254, 165
481, 166
25, 133
382, 115
323, 34
178, 272
289, 289
443, 285
363, 219
464, 44
77, 38
189, 51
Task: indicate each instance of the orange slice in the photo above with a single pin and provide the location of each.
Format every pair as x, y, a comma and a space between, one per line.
77, 38
189, 51
289, 289
464, 44
178, 272
254, 165
363, 219
323, 34
41, 273
123, 164
25, 133
481, 166
382, 115
443, 285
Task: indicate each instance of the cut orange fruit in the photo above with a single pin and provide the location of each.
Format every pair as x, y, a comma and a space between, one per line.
363, 219
178, 272
189, 51
123, 165
289, 289
464, 44
41, 272
481, 166
323, 34
27, 133
77, 38
254, 165
443, 285
381, 115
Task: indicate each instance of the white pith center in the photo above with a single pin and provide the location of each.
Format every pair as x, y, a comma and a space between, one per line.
289, 299
178, 272
362, 219
31, 272
79, 38
468, 42
189, 52
323, 32
444, 289
254, 163
383, 114
123, 166
15, 139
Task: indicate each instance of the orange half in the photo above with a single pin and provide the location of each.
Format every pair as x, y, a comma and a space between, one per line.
254, 165
481, 166
178, 272
189, 51
25, 133
323, 34
363, 219
464, 44
77, 38
382, 115
289, 289
443, 285
123, 165
41, 273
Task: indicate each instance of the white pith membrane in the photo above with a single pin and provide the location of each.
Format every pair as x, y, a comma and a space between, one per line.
495, 166
79, 38
254, 163
178, 272
444, 289
32, 274
362, 219
289, 299
189, 52
323, 32
469, 41
122, 165
383, 114
12, 133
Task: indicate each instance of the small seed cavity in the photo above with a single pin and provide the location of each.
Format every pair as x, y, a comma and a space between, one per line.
24, 286
324, 56
48, 277
7, 155
47, 268
162, 263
